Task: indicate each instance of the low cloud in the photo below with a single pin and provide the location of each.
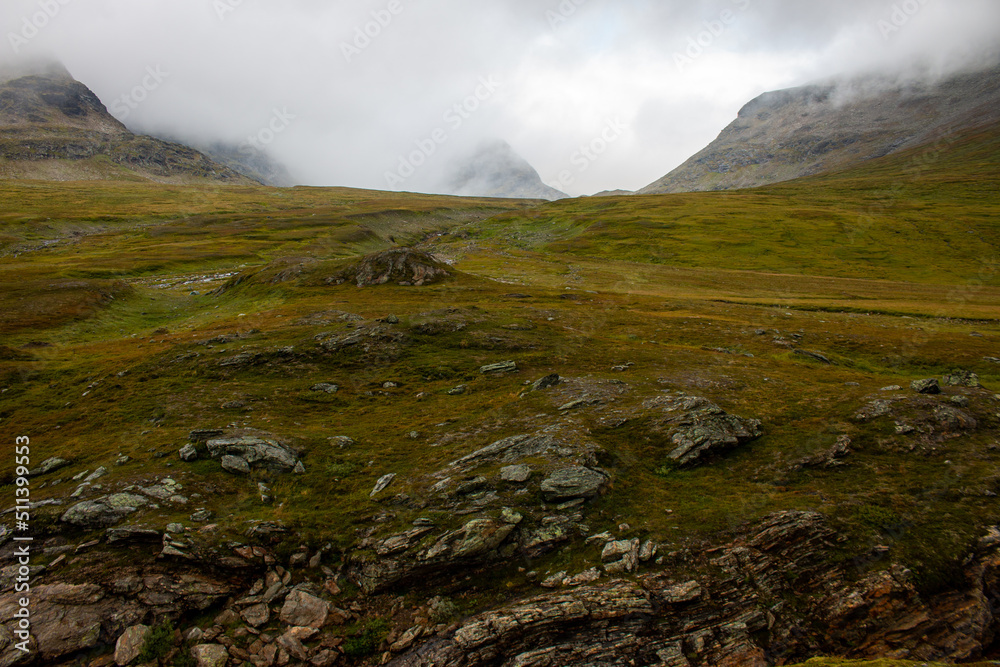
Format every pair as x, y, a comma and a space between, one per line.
361, 86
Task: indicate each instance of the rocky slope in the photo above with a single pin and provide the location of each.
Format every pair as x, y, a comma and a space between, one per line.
792, 133
53, 127
495, 170
780, 589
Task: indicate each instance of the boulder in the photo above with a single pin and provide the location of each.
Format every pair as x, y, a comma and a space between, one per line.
130, 644
546, 382
573, 482
188, 453
960, 378
382, 484
517, 474
621, 556
326, 388
499, 368
49, 465
210, 655
256, 615
103, 512
235, 465
710, 435
403, 266
304, 610
929, 386
257, 452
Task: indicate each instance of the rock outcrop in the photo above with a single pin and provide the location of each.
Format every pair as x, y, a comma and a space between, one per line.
776, 598
402, 266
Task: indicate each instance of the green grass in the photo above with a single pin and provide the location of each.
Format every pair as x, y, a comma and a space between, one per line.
107, 351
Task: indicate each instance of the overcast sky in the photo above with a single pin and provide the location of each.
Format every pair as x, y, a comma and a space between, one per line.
644, 83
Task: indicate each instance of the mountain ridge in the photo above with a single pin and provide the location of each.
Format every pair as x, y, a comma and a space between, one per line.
786, 134
53, 127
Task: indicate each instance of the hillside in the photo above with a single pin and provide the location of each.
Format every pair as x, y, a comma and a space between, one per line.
337, 427
788, 134
927, 215
53, 127
495, 170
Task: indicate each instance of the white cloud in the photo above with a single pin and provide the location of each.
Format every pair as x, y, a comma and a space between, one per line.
607, 60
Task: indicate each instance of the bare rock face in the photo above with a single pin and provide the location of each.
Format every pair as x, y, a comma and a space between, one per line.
733, 618
403, 266
69, 618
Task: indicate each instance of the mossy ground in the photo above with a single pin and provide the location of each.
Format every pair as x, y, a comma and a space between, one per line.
111, 311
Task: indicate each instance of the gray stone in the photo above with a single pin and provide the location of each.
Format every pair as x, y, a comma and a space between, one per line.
201, 515
189, 453
304, 610
574, 482
546, 382
517, 474
708, 434
255, 451
235, 465
929, 386
103, 512
96, 475
621, 556
498, 368
257, 615
210, 655
130, 644
382, 484
326, 388
458, 391
960, 378
49, 465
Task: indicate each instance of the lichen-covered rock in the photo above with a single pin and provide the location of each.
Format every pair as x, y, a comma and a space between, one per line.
929, 386
304, 610
403, 266
407, 555
708, 435
130, 644
104, 512
573, 482
256, 451
960, 378
210, 655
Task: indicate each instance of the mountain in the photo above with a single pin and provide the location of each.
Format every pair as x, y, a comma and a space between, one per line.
52, 127
249, 161
495, 170
803, 131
